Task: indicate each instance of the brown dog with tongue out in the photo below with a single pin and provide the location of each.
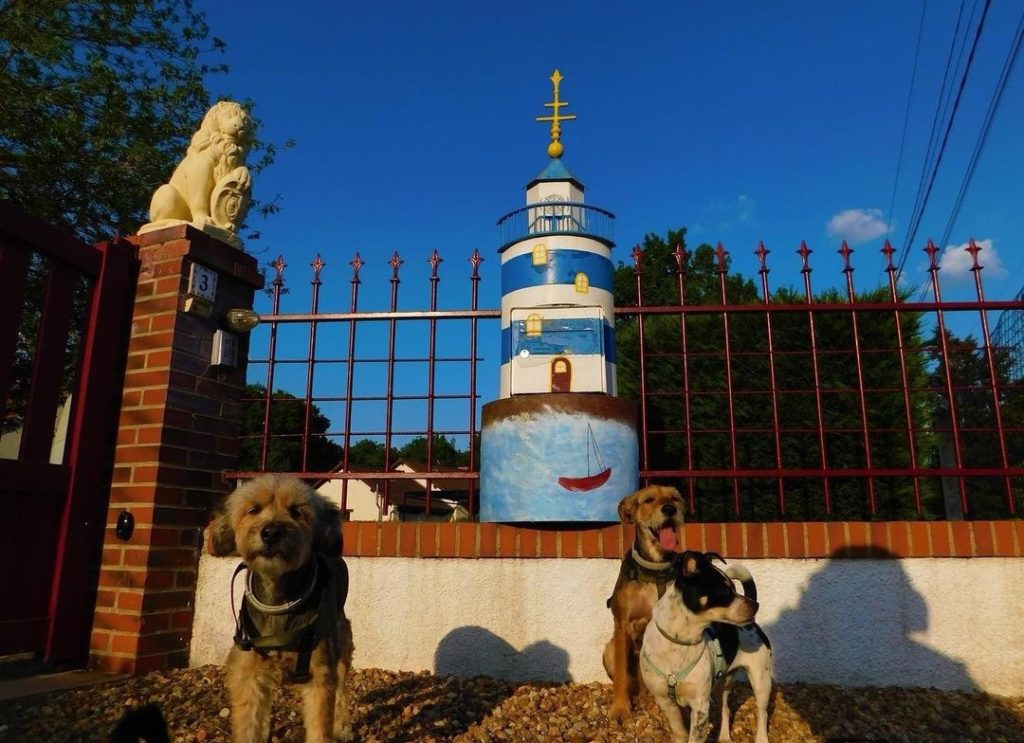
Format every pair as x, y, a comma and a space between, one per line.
648, 567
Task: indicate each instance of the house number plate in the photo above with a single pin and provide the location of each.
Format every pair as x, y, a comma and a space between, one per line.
202, 283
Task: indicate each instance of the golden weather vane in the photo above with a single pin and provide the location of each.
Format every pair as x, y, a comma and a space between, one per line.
555, 149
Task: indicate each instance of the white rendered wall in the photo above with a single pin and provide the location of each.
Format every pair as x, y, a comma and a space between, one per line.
943, 622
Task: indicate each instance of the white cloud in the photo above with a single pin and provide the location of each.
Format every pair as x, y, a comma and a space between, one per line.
955, 262
722, 215
857, 225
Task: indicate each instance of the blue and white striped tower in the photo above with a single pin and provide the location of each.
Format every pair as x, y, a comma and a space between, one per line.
558, 445
556, 291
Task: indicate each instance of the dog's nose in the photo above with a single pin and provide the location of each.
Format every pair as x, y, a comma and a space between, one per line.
668, 509
270, 533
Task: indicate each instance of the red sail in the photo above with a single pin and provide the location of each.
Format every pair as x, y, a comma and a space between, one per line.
582, 484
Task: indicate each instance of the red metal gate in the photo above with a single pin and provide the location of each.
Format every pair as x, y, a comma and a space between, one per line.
65, 314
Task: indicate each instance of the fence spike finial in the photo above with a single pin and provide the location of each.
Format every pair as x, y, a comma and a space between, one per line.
973, 248
637, 254
475, 260
932, 251
721, 254
888, 250
762, 256
395, 263
356, 263
805, 253
318, 265
278, 265
680, 254
434, 260
846, 251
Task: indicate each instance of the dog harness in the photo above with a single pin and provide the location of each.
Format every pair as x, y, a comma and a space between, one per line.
302, 638
709, 641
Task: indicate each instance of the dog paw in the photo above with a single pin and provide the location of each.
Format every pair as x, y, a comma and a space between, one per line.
345, 734
619, 712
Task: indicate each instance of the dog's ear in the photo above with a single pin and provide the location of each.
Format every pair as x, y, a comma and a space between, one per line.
690, 563
627, 508
327, 528
220, 535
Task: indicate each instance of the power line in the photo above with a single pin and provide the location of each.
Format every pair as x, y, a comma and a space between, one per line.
906, 113
945, 139
986, 127
941, 104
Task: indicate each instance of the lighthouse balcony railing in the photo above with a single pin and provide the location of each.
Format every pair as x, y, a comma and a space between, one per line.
556, 218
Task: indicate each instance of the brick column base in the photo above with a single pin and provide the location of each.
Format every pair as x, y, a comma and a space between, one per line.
179, 428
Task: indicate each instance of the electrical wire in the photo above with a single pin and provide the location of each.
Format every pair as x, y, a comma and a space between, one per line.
945, 138
1004, 76
906, 115
941, 107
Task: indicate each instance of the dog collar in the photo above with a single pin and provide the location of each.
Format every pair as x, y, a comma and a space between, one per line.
286, 607
676, 640
647, 564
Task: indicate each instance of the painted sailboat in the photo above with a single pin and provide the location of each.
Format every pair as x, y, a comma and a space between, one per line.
590, 481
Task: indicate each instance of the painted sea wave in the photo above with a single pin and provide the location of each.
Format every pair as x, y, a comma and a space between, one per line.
523, 456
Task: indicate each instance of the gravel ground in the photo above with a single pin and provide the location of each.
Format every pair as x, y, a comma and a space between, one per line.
421, 707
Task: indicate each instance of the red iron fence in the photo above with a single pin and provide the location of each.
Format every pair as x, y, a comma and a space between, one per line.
757, 404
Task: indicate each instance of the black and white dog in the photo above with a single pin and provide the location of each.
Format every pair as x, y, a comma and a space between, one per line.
701, 632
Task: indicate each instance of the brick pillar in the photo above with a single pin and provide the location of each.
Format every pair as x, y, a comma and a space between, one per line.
178, 432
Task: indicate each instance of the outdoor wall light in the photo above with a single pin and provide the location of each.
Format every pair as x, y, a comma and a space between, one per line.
125, 526
241, 320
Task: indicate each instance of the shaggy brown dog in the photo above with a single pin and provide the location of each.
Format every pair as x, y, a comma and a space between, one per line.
657, 512
292, 621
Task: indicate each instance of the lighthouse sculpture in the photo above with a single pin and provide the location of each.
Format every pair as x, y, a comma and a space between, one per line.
558, 445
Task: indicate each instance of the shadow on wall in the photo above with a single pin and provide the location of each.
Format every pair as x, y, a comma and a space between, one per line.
856, 621
476, 651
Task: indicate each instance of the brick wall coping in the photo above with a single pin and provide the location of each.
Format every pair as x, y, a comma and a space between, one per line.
181, 238
731, 540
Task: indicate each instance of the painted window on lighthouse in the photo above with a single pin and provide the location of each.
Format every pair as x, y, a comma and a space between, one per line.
582, 283
540, 254
533, 326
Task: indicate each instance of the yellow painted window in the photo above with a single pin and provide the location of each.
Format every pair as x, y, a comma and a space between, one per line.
533, 325
540, 254
582, 283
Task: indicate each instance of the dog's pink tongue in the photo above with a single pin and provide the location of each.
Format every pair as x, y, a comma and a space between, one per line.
667, 538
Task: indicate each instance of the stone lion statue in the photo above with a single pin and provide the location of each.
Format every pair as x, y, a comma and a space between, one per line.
211, 186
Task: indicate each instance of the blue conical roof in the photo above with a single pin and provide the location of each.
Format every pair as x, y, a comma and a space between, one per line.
556, 171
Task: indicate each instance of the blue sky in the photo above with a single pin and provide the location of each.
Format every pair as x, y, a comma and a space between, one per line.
414, 129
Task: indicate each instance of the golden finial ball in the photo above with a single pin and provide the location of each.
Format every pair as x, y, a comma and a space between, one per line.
555, 149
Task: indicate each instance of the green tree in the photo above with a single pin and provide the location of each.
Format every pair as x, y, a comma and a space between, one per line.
287, 421
97, 102
445, 454
710, 443
367, 454
976, 418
